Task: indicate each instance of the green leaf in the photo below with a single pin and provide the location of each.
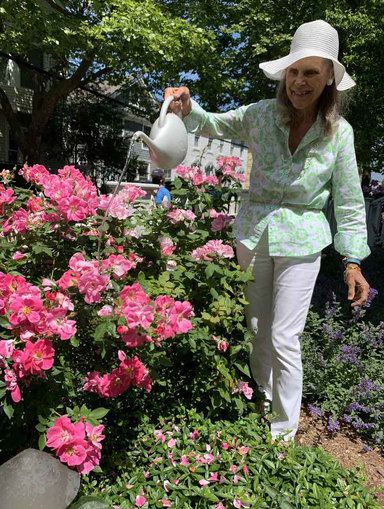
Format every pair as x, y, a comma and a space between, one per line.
41, 442
43, 420
99, 413
8, 409
41, 248
225, 394
214, 293
102, 329
4, 322
209, 270
206, 493
74, 341
164, 361
243, 368
285, 505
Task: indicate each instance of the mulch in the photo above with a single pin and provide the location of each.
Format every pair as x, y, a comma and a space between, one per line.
349, 450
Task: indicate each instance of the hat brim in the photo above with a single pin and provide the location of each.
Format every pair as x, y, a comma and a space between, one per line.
274, 69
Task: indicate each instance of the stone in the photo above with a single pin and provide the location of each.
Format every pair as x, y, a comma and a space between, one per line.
90, 503
36, 480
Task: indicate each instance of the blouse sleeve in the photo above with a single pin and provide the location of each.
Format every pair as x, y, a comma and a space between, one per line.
349, 205
232, 124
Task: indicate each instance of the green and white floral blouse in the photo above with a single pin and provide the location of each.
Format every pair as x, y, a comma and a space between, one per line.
288, 192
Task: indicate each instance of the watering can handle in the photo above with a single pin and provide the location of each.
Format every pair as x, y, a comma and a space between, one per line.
164, 110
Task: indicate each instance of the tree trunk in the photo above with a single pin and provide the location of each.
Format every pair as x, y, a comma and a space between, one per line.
43, 106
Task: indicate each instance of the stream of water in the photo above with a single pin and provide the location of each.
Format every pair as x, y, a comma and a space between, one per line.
135, 136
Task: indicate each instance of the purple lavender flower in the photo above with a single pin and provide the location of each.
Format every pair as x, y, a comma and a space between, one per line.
331, 307
321, 359
357, 407
316, 411
333, 425
363, 426
372, 294
347, 419
349, 354
366, 448
366, 386
357, 313
334, 335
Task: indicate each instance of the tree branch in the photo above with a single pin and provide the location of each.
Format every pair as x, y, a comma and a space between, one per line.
95, 75
60, 89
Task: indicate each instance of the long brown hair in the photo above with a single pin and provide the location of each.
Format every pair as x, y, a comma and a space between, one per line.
329, 106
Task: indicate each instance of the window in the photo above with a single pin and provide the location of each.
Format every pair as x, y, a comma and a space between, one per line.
196, 142
132, 126
221, 145
13, 149
231, 148
209, 144
143, 171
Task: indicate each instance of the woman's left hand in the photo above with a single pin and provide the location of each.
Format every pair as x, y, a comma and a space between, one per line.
358, 288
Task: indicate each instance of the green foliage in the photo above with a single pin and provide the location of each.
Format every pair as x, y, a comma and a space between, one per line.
193, 462
120, 34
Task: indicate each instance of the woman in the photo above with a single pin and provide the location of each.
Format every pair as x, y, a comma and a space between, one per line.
303, 152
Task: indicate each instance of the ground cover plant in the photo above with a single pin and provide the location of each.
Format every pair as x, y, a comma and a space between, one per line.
191, 462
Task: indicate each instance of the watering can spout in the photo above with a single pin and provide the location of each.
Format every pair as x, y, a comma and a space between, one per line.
168, 139
154, 152
146, 139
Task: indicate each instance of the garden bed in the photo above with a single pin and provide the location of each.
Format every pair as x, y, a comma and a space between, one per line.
347, 448
109, 322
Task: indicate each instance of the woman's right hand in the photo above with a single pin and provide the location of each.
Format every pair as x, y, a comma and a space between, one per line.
182, 100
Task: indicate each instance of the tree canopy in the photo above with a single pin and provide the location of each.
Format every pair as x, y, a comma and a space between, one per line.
252, 31
91, 41
214, 46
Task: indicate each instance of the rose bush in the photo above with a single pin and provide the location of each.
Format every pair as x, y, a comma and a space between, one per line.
141, 310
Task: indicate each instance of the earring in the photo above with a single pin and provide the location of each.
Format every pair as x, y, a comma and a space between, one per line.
330, 81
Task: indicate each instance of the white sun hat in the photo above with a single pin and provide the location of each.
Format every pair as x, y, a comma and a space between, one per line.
314, 39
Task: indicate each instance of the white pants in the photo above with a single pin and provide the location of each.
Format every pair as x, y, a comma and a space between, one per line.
279, 300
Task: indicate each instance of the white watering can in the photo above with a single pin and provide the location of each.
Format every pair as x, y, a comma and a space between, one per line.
168, 139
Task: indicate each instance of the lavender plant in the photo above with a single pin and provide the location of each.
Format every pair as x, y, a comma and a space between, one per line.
343, 375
